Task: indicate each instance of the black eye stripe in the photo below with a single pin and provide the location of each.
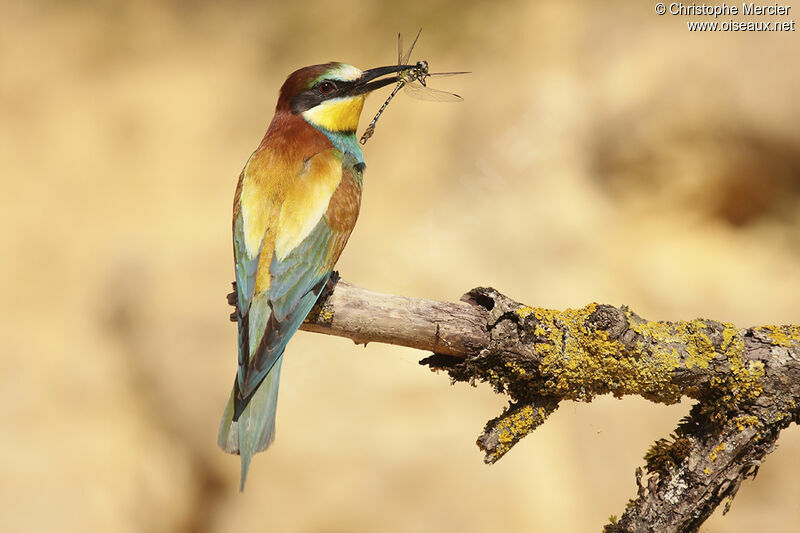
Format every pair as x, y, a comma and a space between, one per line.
339, 87
314, 96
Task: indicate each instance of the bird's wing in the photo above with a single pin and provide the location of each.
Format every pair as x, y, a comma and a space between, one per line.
245, 259
292, 263
258, 198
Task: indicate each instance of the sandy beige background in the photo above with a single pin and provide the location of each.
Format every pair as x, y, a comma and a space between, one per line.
603, 153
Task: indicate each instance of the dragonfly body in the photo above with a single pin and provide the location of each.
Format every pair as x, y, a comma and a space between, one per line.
371, 128
413, 80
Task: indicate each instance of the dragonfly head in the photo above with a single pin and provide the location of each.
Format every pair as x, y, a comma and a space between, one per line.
369, 79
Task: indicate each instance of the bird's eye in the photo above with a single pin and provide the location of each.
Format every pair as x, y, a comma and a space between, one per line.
325, 87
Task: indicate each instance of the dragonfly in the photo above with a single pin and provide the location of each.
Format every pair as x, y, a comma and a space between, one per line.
413, 81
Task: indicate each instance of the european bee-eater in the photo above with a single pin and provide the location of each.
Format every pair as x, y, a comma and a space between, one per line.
295, 205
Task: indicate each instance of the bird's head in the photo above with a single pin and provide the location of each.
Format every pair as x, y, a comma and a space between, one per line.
331, 96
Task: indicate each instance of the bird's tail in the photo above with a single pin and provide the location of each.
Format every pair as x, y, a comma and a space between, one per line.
248, 425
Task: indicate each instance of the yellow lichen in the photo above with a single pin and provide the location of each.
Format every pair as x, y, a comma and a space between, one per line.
745, 421
743, 382
713, 455
728, 335
321, 314
515, 425
326, 315
523, 311
782, 335
515, 368
579, 362
692, 360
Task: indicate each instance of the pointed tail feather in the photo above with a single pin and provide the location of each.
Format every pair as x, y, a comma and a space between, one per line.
253, 430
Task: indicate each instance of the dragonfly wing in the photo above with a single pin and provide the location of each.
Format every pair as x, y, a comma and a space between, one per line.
416, 90
399, 48
445, 74
403, 59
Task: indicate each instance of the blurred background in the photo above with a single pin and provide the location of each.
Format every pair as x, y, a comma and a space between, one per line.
602, 153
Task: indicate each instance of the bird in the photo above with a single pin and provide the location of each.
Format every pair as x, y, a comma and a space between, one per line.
296, 203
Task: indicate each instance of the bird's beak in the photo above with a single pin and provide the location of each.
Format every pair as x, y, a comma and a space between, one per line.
365, 83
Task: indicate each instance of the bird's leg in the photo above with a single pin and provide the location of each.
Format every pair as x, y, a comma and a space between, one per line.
233, 297
233, 300
328, 289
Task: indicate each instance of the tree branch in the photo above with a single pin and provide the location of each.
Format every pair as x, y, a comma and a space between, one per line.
746, 381
456, 329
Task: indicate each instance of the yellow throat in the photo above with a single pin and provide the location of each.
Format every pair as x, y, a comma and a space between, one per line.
337, 114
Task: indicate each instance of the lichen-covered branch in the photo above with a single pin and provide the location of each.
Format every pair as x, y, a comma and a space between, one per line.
746, 381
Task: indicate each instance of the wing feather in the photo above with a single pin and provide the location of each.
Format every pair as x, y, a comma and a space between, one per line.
292, 262
297, 281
